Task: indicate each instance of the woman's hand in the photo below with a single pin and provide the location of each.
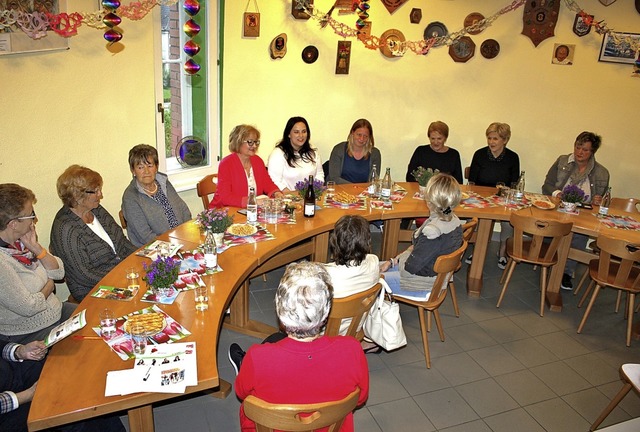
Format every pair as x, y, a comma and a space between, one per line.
278, 195
386, 265
48, 288
30, 240
34, 350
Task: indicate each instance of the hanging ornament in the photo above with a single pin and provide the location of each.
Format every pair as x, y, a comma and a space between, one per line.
539, 19
191, 29
111, 20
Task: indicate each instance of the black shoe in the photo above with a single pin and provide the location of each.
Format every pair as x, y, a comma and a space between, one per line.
236, 354
566, 282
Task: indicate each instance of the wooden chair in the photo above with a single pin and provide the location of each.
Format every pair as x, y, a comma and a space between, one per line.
533, 249
468, 229
355, 308
445, 266
630, 376
207, 186
467, 170
123, 221
299, 417
615, 268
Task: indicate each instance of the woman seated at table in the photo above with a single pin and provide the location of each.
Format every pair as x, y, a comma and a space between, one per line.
29, 309
436, 155
351, 161
304, 367
294, 159
411, 273
150, 204
492, 165
84, 235
241, 170
581, 169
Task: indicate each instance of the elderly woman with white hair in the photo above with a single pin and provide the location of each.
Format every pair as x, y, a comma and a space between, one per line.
305, 366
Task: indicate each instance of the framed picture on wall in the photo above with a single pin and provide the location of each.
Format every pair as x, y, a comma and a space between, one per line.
623, 48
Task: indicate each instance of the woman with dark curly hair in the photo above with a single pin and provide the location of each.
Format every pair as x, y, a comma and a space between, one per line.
294, 159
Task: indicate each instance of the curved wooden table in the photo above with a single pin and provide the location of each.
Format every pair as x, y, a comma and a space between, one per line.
71, 387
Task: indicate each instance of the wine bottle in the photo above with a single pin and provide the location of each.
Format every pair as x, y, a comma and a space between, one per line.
385, 188
606, 202
374, 183
252, 207
520, 187
210, 251
310, 200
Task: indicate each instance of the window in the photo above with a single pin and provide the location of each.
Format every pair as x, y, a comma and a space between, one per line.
187, 105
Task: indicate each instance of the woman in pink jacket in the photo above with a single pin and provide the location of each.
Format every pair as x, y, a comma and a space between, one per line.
241, 170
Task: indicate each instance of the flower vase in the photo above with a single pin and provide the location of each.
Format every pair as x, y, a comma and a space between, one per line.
423, 191
569, 207
219, 238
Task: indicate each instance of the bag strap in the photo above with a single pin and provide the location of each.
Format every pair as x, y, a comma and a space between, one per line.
385, 291
255, 2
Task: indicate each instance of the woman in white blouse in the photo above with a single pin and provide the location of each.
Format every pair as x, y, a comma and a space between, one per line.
294, 159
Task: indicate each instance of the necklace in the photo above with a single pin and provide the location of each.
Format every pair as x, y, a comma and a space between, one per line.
152, 190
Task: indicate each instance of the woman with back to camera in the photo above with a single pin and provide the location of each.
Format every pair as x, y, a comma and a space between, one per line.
411, 272
581, 169
29, 308
242, 169
492, 165
304, 367
351, 161
436, 155
150, 204
294, 159
84, 235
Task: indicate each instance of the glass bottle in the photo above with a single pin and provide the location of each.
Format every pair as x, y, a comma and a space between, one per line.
210, 251
385, 188
374, 189
310, 200
252, 208
520, 187
606, 202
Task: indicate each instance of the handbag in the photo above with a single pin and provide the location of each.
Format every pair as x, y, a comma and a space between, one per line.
383, 325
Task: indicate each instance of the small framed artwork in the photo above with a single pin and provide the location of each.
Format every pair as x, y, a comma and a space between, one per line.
563, 54
343, 58
621, 48
251, 24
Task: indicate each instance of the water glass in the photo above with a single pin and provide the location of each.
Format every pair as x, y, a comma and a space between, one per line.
133, 278
272, 210
201, 294
331, 189
107, 323
138, 338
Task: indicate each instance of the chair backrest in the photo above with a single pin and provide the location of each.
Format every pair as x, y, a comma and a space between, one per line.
468, 229
537, 230
466, 172
629, 205
299, 417
616, 263
123, 221
207, 186
355, 307
444, 266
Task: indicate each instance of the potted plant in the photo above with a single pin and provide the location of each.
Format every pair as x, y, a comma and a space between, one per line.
422, 176
572, 195
318, 188
161, 274
215, 221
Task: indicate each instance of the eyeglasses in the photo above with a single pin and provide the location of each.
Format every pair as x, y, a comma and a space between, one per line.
31, 216
252, 143
93, 192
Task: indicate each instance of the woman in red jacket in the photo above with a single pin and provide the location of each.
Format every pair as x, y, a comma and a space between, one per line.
241, 170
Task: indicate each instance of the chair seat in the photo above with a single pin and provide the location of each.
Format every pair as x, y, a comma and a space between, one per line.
611, 277
632, 372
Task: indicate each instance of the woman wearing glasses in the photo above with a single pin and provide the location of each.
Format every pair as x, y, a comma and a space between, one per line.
28, 307
84, 235
150, 204
242, 169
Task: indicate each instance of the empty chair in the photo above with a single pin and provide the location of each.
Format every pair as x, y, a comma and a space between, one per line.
445, 266
539, 247
123, 221
467, 233
299, 417
354, 308
207, 186
630, 376
615, 269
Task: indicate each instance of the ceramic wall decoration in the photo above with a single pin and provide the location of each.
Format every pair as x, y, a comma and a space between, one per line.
580, 28
251, 21
539, 19
472, 19
392, 5
391, 43
462, 50
310, 54
300, 13
278, 47
490, 48
416, 15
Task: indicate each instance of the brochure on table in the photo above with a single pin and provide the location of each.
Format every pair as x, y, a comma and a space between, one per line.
162, 368
64, 329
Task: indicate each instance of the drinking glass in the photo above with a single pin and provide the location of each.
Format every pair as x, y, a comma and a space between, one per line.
272, 209
201, 294
107, 323
331, 189
133, 278
138, 338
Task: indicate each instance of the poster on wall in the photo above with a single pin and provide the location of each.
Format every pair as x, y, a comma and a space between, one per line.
619, 47
16, 41
343, 58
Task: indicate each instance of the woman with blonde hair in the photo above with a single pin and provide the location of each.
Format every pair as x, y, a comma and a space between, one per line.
351, 161
411, 274
84, 235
